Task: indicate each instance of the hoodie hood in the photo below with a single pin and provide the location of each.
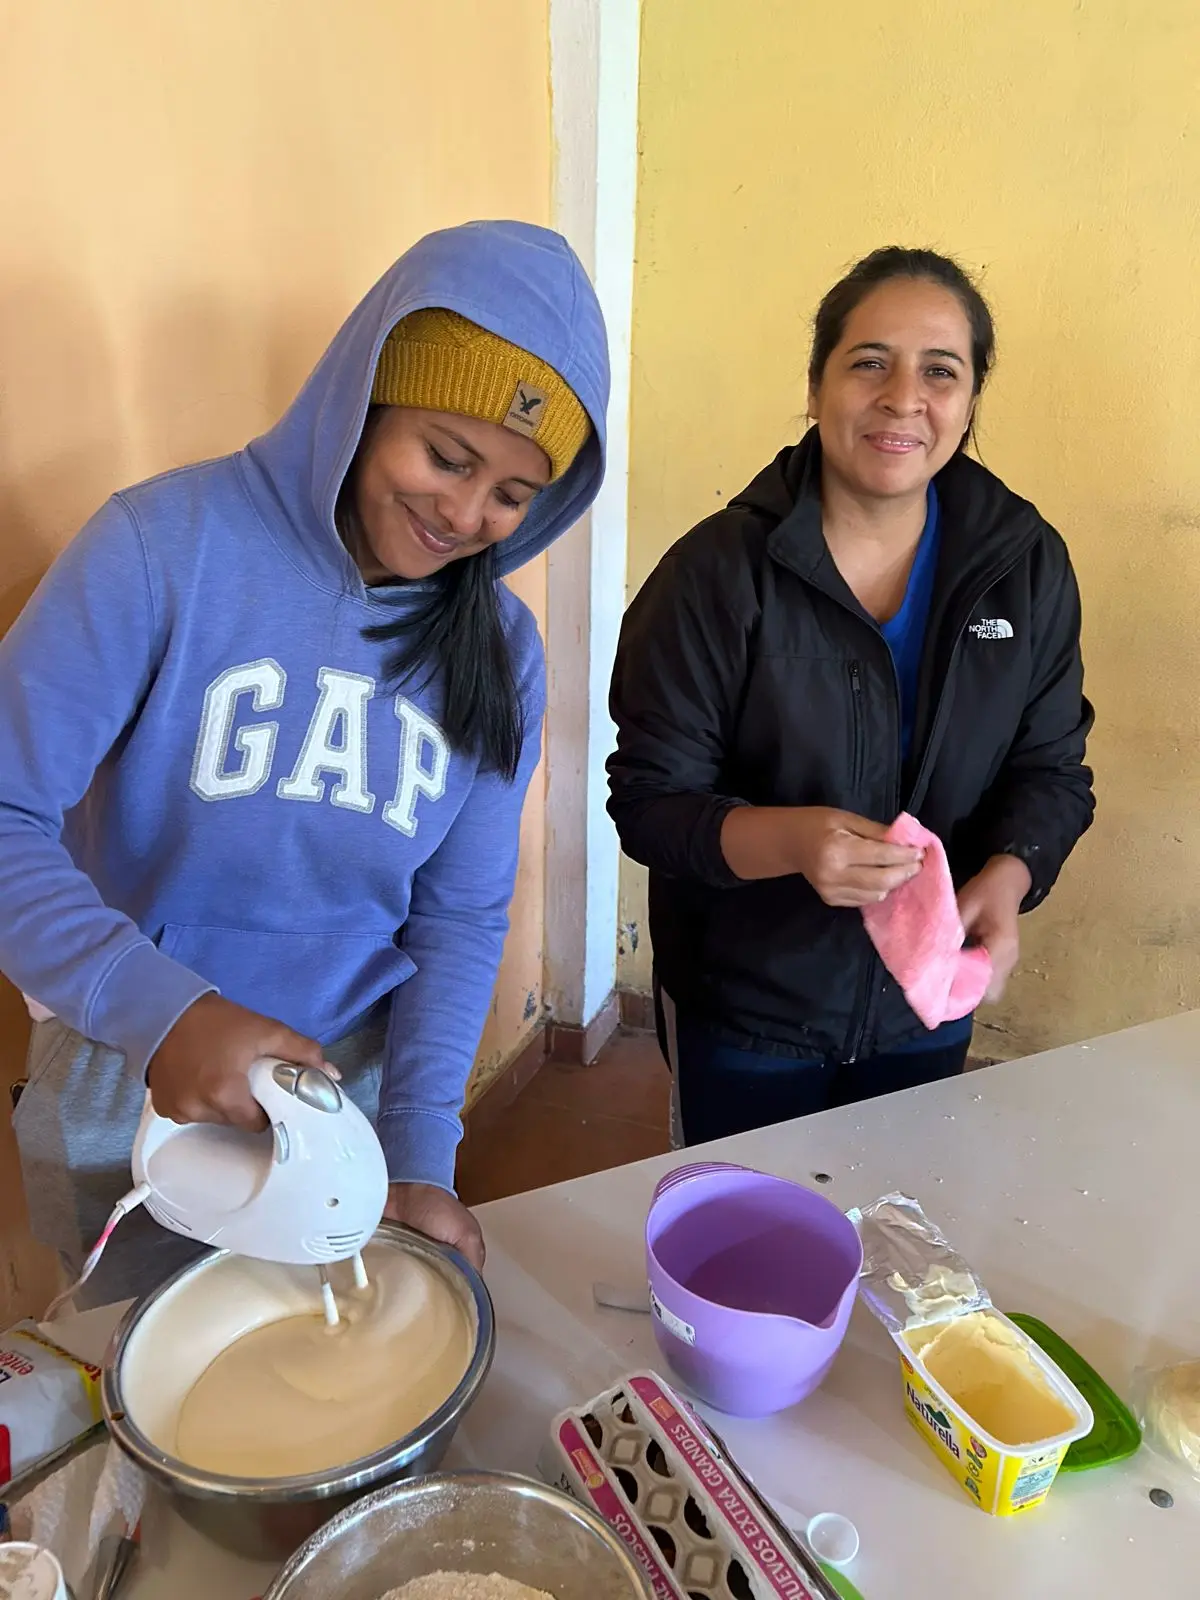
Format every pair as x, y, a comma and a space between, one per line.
519, 281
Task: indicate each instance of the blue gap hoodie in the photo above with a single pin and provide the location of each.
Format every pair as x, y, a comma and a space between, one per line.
205, 780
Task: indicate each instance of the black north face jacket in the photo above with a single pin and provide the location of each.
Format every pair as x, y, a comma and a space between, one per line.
747, 673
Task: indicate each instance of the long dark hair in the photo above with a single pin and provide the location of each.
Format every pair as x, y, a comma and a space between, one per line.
452, 631
882, 266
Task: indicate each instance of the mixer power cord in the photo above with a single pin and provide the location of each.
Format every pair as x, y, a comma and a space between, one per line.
123, 1207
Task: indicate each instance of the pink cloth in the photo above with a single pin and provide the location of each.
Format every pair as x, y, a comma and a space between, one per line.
919, 935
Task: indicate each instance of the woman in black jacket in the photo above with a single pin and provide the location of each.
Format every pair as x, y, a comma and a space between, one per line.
876, 625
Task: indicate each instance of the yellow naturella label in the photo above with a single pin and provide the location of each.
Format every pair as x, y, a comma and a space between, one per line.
1000, 1481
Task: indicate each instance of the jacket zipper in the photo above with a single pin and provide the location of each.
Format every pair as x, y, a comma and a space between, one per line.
963, 617
859, 756
871, 971
868, 976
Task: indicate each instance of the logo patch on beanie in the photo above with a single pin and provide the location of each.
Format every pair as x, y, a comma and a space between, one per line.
526, 409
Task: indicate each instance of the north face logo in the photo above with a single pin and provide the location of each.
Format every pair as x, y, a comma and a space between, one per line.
992, 628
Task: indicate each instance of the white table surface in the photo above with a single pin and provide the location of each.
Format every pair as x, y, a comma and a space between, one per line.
1067, 1180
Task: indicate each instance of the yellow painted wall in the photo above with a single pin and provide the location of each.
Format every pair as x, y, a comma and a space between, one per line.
193, 196
1054, 145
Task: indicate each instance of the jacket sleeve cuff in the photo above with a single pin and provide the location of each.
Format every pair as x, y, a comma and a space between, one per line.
420, 1147
140, 1001
1043, 873
714, 869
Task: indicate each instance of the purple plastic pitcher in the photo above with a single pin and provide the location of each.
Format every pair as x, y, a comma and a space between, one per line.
752, 1281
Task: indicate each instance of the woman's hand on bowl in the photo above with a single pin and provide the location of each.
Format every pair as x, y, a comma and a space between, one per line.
438, 1215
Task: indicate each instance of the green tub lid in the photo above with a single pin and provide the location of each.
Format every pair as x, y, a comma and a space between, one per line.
841, 1583
1115, 1435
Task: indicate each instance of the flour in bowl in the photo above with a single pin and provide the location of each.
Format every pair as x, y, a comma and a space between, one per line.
465, 1586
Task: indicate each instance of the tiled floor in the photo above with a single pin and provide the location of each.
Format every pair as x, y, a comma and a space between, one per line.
572, 1120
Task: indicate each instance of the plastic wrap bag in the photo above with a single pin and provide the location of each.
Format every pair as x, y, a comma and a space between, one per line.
98, 1494
912, 1275
1167, 1405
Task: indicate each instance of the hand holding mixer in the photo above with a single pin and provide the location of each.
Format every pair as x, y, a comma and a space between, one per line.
310, 1190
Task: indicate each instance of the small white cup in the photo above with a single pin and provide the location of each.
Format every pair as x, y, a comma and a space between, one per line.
832, 1538
28, 1572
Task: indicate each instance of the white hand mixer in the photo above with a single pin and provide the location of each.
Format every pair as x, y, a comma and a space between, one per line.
309, 1190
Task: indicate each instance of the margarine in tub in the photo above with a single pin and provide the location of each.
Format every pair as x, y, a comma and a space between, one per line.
993, 1407
996, 1411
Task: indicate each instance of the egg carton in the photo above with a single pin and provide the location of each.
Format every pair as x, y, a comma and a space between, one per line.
641, 1458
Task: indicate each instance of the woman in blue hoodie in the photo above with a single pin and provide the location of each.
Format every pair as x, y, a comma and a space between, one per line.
266, 729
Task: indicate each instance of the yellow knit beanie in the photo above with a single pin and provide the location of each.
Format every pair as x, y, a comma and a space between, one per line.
440, 361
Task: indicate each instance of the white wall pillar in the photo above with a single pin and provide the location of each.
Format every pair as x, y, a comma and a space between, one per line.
594, 89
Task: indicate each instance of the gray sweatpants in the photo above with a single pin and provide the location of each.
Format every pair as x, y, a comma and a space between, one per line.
75, 1125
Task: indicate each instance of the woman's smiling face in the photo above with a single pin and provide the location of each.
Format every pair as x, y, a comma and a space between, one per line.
432, 487
898, 390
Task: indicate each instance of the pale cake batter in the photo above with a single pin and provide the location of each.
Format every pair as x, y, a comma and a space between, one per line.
986, 1369
296, 1396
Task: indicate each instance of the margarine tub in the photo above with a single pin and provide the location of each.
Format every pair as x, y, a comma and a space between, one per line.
993, 1407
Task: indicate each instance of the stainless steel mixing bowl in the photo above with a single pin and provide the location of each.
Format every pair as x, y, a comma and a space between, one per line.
268, 1518
469, 1522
